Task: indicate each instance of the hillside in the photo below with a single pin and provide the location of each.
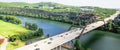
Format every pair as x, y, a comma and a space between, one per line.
22, 4
52, 11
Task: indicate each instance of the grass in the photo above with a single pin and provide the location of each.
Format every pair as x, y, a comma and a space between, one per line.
14, 45
9, 29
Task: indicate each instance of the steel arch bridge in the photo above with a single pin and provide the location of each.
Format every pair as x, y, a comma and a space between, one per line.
65, 37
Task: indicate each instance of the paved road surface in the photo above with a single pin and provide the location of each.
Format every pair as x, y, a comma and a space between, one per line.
4, 44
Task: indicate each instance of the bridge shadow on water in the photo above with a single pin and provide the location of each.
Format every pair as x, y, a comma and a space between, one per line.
99, 40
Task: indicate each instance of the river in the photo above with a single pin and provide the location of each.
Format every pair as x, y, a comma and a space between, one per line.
49, 27
89, 40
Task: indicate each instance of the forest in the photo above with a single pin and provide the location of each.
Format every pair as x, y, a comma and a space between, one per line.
60, 15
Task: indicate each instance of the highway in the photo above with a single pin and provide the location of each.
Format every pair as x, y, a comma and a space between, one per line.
55, 41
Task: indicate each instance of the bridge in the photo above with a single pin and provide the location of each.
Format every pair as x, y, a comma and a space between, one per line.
58, 40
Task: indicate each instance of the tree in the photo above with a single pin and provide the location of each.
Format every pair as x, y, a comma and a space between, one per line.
18, 21
26, 24
110, 25
31, 26
3, 18
11, 19
78, 45
40, 32
34, 26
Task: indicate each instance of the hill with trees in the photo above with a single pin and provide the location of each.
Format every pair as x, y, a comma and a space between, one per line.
52, 11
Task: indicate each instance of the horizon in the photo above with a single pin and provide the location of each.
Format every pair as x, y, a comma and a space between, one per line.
94, 3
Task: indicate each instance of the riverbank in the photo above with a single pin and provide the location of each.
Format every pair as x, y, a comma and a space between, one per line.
49, 27
9, 29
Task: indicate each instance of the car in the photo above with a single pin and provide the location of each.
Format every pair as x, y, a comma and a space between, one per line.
61, 36
51, 38
49, 42
37, 49
66, 34
36, 45
93, 26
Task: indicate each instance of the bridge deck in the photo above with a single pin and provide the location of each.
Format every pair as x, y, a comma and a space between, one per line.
48, 44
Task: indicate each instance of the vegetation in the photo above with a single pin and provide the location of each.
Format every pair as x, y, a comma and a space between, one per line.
11, 19
62, 17
15, 44
31, 26
112, 26
104, 12
7, 29
59, 12
26, 36
78, 45
15, 4
20, 35
17, 34
13, 29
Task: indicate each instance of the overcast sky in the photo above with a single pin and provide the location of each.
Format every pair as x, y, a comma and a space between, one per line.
100, 3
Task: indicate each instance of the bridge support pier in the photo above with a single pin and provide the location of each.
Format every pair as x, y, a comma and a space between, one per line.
57, 48
60, 48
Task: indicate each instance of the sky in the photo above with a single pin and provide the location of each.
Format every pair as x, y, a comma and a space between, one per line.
99, 3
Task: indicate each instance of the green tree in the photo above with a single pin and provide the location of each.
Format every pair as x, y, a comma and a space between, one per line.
110, 25
77, 45
34, 26
39, 32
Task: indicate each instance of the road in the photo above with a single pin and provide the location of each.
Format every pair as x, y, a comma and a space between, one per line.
4, 44
55, 41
